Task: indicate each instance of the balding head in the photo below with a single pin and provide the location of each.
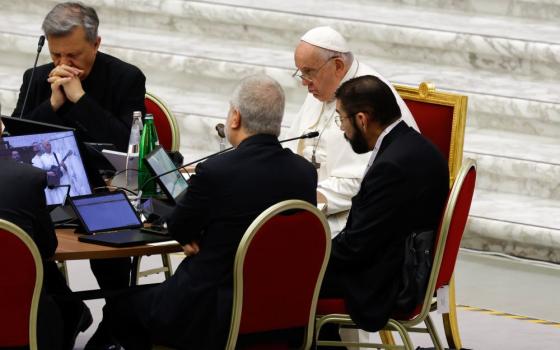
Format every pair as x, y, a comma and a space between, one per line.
258, 101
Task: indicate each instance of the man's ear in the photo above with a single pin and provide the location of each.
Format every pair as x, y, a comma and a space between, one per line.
235, 121
97, 43
340, 67
362, 121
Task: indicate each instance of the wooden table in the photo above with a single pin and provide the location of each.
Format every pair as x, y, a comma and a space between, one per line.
69, 248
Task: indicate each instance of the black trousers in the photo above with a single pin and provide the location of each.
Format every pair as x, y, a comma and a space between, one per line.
111, 274
59, 310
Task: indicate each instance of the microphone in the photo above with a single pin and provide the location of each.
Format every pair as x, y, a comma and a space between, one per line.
309, 135
39, 48
221, 133
220, 129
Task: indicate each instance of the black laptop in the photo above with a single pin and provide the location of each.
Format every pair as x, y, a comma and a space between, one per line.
18, 126
109, 219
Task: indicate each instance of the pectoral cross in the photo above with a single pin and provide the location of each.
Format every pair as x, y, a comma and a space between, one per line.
314, 162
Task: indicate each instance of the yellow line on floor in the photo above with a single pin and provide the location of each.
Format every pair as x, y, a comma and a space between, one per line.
508, 315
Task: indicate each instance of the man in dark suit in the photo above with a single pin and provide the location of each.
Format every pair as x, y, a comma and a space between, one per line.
192, 309
22, 202
92, 92
404, 189
82, 88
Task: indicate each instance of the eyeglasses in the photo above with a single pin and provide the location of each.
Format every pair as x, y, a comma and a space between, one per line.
338, 120
312, 73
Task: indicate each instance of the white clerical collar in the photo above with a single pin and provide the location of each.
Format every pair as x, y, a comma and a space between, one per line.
379, 141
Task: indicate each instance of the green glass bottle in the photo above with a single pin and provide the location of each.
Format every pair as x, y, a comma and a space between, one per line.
148, 142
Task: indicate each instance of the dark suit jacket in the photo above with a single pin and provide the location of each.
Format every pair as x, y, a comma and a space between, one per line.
114, 89
22, 202
404, 190
192, 309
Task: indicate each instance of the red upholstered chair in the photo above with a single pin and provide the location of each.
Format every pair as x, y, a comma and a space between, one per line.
445, 255
276, 284
169, 138
165, 122
441, 117
19, 288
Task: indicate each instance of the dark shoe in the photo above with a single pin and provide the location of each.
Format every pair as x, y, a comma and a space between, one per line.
102, 340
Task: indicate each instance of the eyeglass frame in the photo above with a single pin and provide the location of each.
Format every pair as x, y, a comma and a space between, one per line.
302, 76
338, 119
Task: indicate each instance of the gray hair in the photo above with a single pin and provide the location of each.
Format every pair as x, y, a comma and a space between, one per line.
327, 54
64, 17
260, 101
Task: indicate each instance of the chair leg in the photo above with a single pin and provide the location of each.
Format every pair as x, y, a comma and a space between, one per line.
134, 270
450, 322
387, 337
403, 333
166, 261
433, 333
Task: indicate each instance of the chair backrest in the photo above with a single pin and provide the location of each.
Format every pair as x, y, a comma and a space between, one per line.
441, 117
279, 268
165, 122
21, 278
449, 236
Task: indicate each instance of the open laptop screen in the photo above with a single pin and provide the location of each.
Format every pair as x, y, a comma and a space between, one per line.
173, 184
105, 212
58, 155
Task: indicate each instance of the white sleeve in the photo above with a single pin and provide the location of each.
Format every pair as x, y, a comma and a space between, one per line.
345, 170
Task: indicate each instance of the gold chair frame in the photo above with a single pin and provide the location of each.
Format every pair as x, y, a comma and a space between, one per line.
19, 233
403, 327
426, 92
240, 257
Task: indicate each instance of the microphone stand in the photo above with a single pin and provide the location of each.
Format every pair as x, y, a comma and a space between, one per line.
309, 135
140, 207
39, 48
62, 212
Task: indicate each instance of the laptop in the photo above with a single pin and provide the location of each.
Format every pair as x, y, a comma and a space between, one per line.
19, 126
172, 184
109, 219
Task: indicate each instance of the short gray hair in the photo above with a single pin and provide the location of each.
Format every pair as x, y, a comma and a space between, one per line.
260, 101
327, 54
66, 16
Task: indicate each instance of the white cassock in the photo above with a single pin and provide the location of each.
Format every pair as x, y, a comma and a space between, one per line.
55, 195
37, 162
341, 169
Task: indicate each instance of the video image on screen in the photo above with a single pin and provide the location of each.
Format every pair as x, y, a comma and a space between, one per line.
57, 154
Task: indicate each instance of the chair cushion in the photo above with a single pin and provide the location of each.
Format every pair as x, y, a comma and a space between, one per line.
331, 306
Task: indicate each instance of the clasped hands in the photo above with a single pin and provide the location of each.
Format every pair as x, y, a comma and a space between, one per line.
65, 85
